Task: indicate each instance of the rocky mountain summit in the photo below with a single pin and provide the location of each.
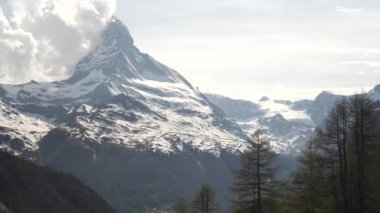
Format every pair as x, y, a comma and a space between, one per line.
118, 95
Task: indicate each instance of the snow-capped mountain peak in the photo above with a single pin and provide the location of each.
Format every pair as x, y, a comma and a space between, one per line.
117, 34
122, 96
117, 57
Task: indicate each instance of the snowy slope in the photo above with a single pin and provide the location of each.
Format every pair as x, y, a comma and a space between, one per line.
20, 132
287, 124
287, 128
119, 95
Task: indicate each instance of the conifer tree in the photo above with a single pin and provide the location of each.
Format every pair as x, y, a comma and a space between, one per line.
204, 201
340, 167
254, 180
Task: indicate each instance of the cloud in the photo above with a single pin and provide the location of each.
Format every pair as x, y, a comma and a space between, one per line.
43, 39
371, 64
349, 10
357, 11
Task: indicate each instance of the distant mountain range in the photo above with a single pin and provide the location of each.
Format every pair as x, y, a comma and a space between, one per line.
288, 124
138, 132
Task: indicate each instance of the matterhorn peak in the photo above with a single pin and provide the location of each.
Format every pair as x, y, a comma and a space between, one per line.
117, 59
116, 33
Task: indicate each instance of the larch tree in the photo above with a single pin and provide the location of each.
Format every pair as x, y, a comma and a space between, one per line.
255, 178
204, 201
306, 178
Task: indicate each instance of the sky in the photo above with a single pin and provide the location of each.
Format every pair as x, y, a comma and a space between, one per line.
284, 49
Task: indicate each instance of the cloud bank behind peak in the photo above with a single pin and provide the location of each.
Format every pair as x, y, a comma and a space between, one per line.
43, 39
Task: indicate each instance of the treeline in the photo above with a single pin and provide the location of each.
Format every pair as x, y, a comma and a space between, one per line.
203, 202
340, 167
338, 171
26, 187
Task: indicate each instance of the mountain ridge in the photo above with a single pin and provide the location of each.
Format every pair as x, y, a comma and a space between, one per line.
133, 100
288, 124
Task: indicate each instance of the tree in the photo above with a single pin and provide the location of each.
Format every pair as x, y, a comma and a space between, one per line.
344, 142
180, 206
254, 180
339, 169
307, 185
305, 177
361, 109
204, 201
372, 169
335, 143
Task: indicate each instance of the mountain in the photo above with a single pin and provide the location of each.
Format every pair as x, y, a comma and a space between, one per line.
138, 132
119, 95
26, 187
236, 109
19, 132
288, 124
321, 106
128, 126
375, 93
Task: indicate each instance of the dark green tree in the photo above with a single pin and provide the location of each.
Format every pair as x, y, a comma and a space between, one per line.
255, 178
204, 201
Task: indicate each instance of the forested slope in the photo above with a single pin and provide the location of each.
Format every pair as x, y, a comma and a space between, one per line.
26, 187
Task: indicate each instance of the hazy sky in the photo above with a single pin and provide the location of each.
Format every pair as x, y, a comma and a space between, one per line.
284, 49
250, 48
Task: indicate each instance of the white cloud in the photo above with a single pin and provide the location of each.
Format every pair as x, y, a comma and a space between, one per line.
371, 64
43, 39
349, 10
357, 11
